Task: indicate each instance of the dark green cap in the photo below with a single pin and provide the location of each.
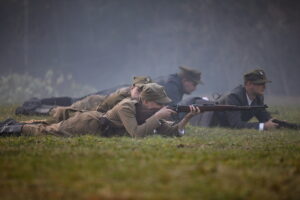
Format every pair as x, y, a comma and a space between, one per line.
155, 92
257, 76
139, 81
190, 74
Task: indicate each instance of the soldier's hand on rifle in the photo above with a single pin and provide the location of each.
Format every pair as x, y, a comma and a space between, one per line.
193, 111
164, 113
270, 125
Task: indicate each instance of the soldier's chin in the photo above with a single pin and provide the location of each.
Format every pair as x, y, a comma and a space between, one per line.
187, 92
261, 93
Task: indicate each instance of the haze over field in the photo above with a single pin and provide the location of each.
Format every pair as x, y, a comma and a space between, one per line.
103, 43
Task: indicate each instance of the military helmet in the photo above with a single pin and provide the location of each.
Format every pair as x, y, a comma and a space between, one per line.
257, 76
190, 74
155, 92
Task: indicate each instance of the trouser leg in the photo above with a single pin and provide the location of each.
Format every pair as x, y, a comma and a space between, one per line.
89, 103
80, 124
43, 129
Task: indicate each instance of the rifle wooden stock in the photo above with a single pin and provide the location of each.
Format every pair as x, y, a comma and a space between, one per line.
212, 107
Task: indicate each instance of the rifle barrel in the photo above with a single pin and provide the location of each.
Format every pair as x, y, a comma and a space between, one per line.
203, 108
285, 124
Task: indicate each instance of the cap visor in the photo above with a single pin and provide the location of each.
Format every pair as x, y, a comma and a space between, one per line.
139, 85
262, 81
164, 100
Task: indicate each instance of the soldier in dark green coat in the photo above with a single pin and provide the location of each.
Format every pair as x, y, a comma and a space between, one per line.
249, 94
181, 83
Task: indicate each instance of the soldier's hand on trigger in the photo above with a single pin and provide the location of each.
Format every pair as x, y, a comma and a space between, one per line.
164, 113
270, 125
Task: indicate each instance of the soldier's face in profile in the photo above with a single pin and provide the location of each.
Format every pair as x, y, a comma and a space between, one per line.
259, 89
256, 89
188, 86
135, 92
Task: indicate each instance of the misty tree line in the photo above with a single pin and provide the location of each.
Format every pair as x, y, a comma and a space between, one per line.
17, 88
104, 43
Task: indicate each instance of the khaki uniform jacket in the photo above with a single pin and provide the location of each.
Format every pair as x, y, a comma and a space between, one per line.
88, 103
93, 102
111, 100
122, 117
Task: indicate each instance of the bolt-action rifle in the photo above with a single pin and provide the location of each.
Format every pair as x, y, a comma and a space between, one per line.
284, 124
216, 107
143, 114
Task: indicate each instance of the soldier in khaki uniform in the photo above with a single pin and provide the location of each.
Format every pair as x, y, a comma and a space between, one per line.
122, 120
50, 106
106, 103
133, 92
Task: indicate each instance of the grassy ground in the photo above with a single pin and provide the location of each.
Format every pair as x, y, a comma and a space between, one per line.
204, 164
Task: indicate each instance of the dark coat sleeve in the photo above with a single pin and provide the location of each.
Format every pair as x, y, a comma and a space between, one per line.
262, 115
173, 92
234, 117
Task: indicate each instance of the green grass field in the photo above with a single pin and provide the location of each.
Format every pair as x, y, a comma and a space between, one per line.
204, 164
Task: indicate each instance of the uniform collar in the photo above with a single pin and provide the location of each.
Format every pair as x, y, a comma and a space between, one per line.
249, 100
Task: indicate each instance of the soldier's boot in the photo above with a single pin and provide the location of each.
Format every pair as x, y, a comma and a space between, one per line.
10, 128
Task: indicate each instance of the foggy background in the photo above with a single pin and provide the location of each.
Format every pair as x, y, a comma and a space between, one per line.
103, 43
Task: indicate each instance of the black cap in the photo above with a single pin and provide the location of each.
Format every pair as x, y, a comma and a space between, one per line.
257, 76
190, 74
